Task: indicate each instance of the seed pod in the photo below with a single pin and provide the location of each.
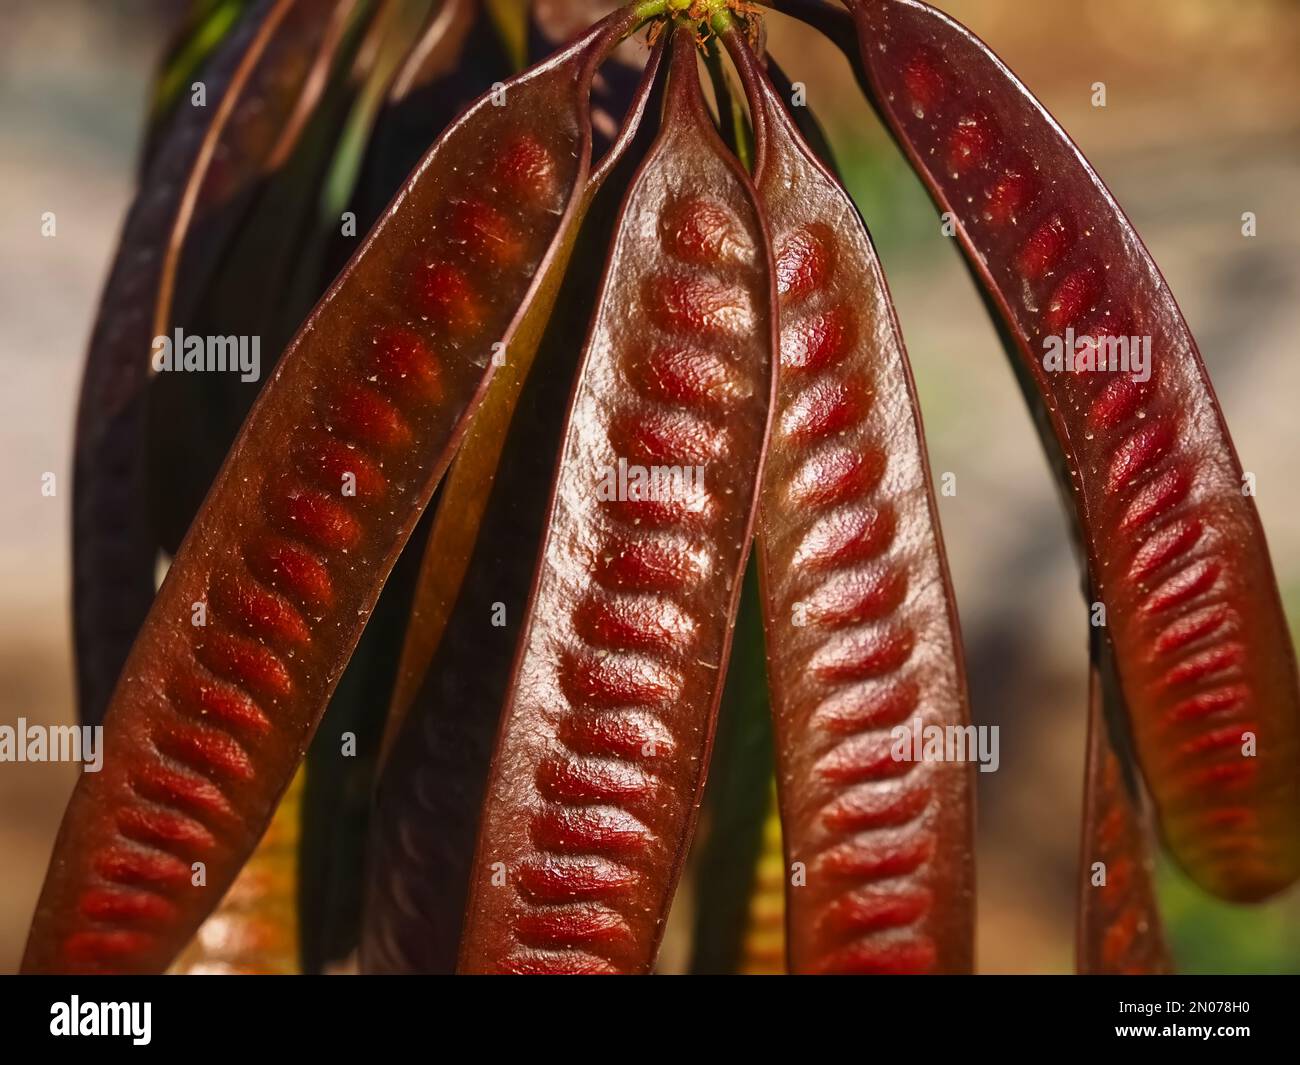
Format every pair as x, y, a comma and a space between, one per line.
861, 627
607, 729
469, 609
282, 565
464, 496
254, 82
1173, 541
1119, 931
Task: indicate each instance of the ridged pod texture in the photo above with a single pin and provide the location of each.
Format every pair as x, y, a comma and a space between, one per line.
464, 495
1119, 923
1176, 552
607, 730
478, 565
861, 629
303, 524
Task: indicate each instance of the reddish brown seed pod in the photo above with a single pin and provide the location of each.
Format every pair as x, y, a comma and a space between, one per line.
465, 494
861, 627
256, 84
1119, 929
481, 550
605, 736
316, 553
1173, 541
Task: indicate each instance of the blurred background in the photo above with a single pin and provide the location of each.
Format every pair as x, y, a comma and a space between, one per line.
1201, 124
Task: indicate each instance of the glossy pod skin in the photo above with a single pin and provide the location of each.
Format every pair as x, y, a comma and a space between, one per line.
208, 722
607, 729
1174, 545
464, 495
468, 611
203, 159
1119, 929
459, 38
861, 626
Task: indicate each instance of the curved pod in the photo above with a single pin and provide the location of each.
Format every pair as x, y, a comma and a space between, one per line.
272, 586
1174, 545
601, 757
861, 627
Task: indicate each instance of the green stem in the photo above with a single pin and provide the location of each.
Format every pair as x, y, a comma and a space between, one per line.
716, 11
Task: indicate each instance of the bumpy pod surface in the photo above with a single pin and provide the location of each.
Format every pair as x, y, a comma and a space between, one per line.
272, 586
861, 627
468, 610
1173, 540
607, 730
464, 495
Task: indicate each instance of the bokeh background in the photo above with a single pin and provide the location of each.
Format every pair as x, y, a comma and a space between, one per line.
1202, 123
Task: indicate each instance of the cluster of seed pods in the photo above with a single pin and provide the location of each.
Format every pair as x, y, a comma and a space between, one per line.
270, 591
741, 337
